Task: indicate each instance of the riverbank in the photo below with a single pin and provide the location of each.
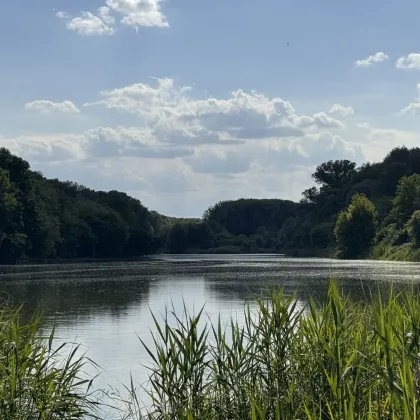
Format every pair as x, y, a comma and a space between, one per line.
405, 252
335, 360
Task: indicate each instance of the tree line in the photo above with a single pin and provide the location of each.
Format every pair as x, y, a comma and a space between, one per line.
47, 218
352, 212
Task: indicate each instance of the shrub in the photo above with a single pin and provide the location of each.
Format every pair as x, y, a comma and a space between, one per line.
413, 228
356, 227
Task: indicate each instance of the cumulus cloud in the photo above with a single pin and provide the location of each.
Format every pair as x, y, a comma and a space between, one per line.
380, 141
135, 13
379, 57
411, 61
139, 12
37, 148
104, 13
364, 125
47, 107
96, 143
325, 146
200, 146
309, 150
241, 116
341, 111
62, 15
134, 142
317, 120
89, 24
414, 107
194, 137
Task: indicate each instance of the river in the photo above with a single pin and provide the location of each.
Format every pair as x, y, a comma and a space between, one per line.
106, 306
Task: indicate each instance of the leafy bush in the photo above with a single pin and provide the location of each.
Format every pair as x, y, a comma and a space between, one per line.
407, 198
413, 228
355, 228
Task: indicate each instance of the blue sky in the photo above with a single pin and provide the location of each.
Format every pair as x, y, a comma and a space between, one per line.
182, 104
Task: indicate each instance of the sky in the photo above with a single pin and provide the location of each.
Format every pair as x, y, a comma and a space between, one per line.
182, 103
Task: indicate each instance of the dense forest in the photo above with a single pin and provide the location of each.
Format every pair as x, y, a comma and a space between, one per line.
353, 212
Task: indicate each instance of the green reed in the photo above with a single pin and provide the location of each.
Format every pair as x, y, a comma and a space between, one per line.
337, 360
38, 382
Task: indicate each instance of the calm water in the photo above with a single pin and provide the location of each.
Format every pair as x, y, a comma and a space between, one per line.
105, 306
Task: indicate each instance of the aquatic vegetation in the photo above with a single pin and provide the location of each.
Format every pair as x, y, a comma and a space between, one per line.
338, 360
332, 360
37, 381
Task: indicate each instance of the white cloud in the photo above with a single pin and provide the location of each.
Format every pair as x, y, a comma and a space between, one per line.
372, 59
364, 125
63, 15
136, 13
379, 142
317, 120
243, 115
41, 148
341, 111
411, 61
139, 12
413, 108
105, 16
309, 150
90, 24
204, 148
47, 107
130, 141
324, 146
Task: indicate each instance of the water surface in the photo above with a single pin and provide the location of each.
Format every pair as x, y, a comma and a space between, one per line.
106, 306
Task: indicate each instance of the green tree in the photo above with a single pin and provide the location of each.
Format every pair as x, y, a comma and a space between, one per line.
177, 239
8, 202
13, 243
356, 227
320, 234
334, 174
413, 228
407, 198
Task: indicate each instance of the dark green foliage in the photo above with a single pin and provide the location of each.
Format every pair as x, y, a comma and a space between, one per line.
185, 236
321, 234
407, 198
413, 229
356, 228
42, 219
245, 216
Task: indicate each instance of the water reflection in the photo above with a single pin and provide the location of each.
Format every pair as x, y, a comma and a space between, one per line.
66, 297
105, 306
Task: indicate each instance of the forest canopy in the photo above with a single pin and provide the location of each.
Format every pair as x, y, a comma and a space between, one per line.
352, 212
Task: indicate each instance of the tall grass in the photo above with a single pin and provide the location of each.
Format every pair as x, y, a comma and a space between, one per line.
38, 382
339, 360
